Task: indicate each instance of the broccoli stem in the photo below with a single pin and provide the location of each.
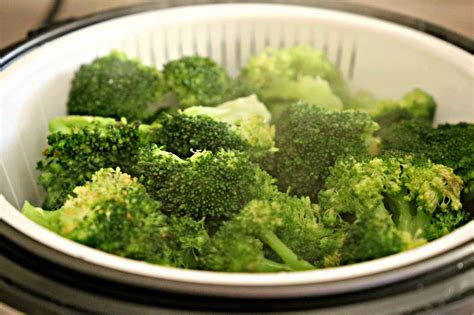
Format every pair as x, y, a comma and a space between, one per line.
405, 220
402, 209
47, 219
267, 265
286, 254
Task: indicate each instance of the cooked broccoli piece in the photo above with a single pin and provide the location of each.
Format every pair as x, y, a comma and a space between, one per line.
416, 104
301, 73
414, 191
78, 147
183, 134
310, 139
448, 144
300, 228
210, 185
233, 250
374, 235
114, 213
116, 86
262, 222
193, 81
248, 118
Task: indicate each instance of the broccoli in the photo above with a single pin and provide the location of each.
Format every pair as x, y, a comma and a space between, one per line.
448, 144
414, 191
301, 73
258, 223
114, 213
309, 140
184, 134
374, 235
210, 185
78, 147
193, 81
233, 250
116, 86
250, 119
416, 104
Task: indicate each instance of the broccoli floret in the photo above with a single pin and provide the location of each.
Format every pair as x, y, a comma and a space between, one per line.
194, 81
233, 250
310, 139
416, 104
205, 185
259, 222
81, 147
115, 214
116, 86
183, 134
374, 235
415, 191
303, 230
177, 241
248, 118
448, 144
299, 73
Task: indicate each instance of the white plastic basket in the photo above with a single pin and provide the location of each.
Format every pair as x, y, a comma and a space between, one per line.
379, 56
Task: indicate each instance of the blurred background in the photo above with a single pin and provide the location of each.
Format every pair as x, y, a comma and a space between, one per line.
17, 17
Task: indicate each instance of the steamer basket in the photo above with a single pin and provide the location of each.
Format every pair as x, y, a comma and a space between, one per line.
382, 57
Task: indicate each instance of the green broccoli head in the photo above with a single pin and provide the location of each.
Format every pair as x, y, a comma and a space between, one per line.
374, 235
83, 146
184, 134
414, 190
114, 213
292, 74
238, 244
302, 230
232, 249
448, 144
116, 86
177, 242
416, 104
205, 185
310, 139
195, 80
249, 119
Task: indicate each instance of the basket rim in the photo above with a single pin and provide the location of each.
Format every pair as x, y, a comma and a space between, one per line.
57, 29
